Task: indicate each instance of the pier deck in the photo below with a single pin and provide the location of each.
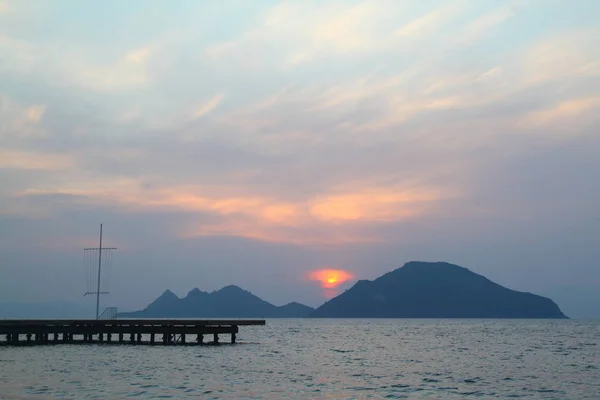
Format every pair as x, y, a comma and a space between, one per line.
123, 331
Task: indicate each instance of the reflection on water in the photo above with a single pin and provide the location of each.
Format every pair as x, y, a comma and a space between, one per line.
327, 359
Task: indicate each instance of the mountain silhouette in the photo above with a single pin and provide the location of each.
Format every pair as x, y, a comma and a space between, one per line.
228, 302
435, 290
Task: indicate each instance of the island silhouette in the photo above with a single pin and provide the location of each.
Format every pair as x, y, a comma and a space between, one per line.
416, 290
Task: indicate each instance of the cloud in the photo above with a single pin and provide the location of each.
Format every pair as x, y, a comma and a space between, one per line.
17, 56
431, 22
480, 27
296, 33
21, 121
55, 64
570, 55
204, 109
565, 111
319, 219
374, 205
34, 113
350, 29
138, 55
128, 72
28, 160
4, 7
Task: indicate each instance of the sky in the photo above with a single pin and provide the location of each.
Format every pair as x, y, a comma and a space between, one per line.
257, 143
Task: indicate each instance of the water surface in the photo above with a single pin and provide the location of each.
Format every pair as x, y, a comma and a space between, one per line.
327, 359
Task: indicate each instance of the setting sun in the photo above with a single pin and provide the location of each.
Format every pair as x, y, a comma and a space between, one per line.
330, 278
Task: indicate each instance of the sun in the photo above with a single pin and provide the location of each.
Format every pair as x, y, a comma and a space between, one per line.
330, 278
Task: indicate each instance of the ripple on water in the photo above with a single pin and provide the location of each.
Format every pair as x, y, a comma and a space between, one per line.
304, 359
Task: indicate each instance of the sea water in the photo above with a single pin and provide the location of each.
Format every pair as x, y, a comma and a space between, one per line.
327, 359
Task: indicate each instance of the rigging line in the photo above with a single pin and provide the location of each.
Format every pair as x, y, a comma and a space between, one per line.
109, 270
87, 270
87, 277
104, 270
112, 255
91, 268
84, 270
92, 274
105, 260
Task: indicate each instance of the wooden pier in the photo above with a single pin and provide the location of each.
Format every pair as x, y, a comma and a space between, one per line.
118, 331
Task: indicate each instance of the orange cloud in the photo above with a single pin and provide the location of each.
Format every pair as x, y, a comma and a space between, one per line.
330, 278
14, 159
372, 204
325, 220
302, 235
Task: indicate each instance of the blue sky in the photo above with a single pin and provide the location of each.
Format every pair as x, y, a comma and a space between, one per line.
253, 142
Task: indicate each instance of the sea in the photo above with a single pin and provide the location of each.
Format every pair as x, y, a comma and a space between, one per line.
327, 359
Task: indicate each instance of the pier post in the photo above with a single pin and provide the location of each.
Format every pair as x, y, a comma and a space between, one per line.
121, 337
108, 337
216, 338
101, 337
183, 338
56, 336
233, 338
139, 338
152, 338
132, 338
28, 338
200, 339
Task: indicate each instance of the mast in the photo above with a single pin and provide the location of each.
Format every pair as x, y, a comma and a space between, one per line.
90, 272
99, 269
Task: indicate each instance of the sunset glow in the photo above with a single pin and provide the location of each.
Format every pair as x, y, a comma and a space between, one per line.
294, 148
330, 278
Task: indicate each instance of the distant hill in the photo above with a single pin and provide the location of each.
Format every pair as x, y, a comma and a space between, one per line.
435, 290
229, 302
